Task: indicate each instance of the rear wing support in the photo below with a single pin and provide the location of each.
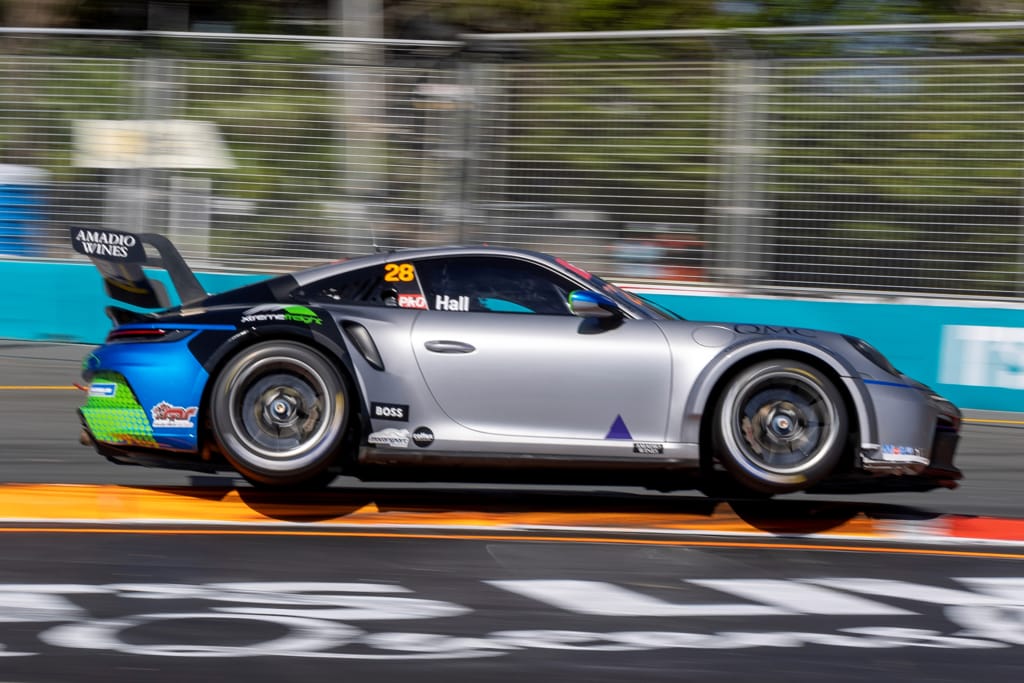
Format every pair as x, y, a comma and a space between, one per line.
120, 257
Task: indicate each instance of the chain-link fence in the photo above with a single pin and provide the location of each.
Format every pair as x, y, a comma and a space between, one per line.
842, 159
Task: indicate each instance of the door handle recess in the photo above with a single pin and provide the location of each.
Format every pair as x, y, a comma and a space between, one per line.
448, 346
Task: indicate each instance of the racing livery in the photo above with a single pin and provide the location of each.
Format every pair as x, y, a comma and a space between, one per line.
473, 362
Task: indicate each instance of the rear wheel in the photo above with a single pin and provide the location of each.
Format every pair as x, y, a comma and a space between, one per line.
279, 411
780, 426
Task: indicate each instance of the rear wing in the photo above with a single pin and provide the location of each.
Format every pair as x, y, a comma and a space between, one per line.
120, 257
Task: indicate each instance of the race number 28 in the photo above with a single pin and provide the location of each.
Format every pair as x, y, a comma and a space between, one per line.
399, 272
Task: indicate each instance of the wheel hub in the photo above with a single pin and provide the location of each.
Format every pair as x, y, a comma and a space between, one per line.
281, 413
783, 422
779, 430
280, 408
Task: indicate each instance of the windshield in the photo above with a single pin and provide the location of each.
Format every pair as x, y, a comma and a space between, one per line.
638, 305
634, 302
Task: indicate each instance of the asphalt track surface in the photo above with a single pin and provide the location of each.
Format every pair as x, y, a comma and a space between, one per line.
145, 605
127, 573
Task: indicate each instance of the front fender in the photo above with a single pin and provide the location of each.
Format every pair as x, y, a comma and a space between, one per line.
711, 379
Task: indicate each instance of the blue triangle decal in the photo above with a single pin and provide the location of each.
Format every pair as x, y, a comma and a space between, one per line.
619, 430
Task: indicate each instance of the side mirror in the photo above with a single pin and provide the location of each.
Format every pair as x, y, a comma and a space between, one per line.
587, 304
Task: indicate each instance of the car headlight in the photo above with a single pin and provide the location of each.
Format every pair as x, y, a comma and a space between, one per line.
872, 354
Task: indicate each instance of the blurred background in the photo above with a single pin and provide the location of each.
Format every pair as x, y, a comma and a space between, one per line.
790, 146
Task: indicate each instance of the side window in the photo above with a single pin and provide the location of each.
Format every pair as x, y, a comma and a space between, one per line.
390, 284
493, 284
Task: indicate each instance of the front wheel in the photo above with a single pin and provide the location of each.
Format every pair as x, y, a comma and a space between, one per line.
279, 411
780, 426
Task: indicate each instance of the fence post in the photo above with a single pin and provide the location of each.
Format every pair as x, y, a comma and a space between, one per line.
1019, 274
362, 92
740, 257
468, 157
133, 194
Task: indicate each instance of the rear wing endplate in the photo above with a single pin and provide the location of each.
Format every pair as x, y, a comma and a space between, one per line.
120, 257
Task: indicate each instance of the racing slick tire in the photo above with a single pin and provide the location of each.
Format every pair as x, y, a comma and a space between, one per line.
279, 411
780, 426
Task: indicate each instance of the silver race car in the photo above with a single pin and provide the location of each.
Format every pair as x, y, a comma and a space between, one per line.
485, 363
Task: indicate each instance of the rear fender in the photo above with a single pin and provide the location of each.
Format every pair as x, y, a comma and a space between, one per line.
322, 341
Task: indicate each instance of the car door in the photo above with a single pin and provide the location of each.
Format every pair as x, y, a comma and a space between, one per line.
502, 354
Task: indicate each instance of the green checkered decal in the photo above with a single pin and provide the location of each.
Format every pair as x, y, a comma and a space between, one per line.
118, 418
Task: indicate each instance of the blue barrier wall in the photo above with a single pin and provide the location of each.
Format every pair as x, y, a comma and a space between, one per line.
971, 354
974, 355
65, 301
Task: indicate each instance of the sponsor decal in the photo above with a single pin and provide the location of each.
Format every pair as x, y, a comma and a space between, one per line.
893, 453
619, 430
277, 313
103, 389
392, 438
771, 330
648, 448
107, 243
412, 301
166, 415
301, 314
443, 302
423, 437
389, 411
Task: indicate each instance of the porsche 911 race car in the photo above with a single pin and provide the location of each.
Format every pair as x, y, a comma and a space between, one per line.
443, 364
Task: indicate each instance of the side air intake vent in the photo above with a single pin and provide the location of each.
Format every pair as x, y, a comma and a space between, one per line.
361, 339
